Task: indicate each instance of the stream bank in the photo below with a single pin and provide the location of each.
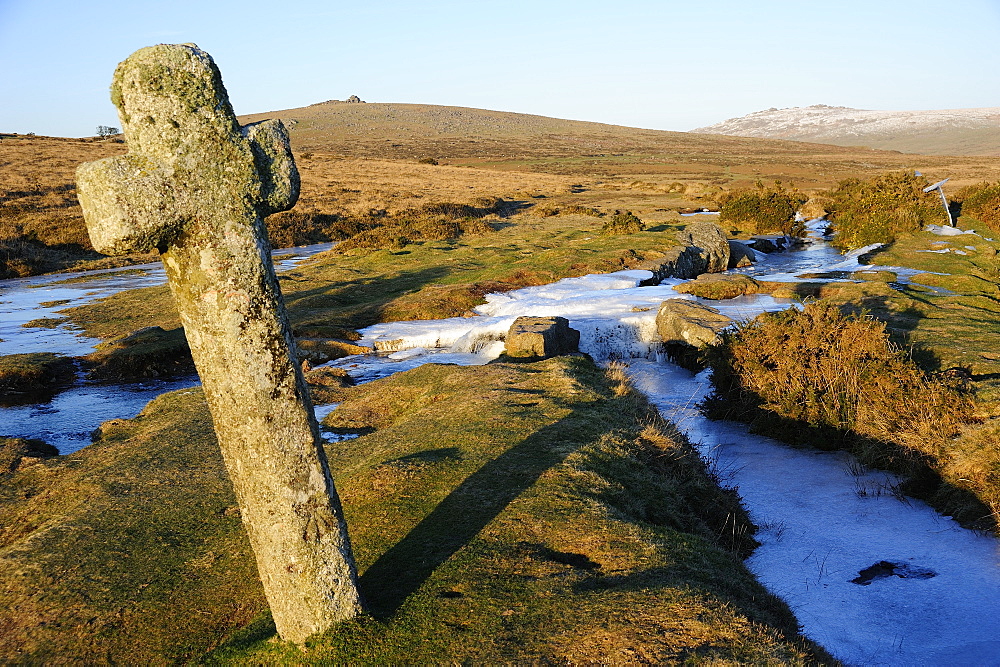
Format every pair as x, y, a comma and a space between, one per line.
826, 521
616, 320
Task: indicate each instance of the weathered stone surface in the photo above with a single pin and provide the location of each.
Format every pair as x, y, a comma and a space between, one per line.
712, 244
196, 186
684, 321
768, 243
740, 255
705, 250
677, 262
541, 338
720, 286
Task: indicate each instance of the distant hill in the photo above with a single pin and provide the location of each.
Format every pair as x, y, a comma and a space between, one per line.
407, 131
945, 132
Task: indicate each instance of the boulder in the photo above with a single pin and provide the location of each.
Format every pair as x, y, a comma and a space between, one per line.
678, 262
711, 243
705, 250
768, 243
689, 322
541, 338
740, 255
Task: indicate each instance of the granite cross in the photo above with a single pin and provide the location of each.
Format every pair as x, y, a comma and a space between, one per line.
196, 186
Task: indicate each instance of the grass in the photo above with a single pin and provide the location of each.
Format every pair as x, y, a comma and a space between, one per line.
344, 290
514, 512
147, 353
28, 378
717, 286
354, 160
535, 512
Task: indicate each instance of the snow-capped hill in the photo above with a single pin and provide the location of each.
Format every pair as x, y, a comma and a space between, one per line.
943, 132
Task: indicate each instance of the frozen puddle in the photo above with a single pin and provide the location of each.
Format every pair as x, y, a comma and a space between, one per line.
827, 527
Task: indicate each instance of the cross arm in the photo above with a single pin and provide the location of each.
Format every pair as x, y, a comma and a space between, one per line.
272, 155
128, 204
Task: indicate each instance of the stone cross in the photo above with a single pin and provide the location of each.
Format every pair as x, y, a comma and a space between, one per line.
196, 186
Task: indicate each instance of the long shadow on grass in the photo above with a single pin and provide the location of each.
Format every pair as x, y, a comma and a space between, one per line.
462, 515
355, 303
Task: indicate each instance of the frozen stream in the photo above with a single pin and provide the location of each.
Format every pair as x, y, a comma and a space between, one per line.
932, 591
823, 518
72, 415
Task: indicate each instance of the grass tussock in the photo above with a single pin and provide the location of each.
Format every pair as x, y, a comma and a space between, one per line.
622, 222
32, 376
507, 513
150, 352
835, 381
882, 208
717, 286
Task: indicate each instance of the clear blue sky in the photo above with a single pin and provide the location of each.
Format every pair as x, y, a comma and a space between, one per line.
657, 64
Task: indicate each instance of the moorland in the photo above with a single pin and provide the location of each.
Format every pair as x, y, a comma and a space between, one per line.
596, 534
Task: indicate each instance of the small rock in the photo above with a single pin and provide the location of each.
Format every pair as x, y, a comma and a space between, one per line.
541, 338
684, 321
740, 255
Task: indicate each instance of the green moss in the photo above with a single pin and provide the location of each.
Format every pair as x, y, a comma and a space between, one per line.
715, 286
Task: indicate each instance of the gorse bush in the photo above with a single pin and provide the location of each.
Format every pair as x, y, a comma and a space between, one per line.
765, 210
835, 381
623, 223
826, 369
880, 209
982, 202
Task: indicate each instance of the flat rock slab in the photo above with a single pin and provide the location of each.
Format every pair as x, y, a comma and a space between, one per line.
689, 322
541, 338
720, 286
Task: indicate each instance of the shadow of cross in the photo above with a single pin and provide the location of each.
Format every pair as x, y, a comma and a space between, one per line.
196, 186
